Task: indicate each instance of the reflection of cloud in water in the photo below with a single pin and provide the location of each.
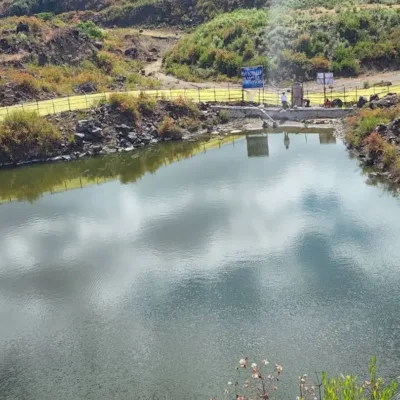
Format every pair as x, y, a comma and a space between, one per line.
262, 255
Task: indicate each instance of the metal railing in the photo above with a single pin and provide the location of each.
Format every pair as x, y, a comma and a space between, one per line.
227, 94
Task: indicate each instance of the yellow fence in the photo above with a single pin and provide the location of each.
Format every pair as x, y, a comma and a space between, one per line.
265, 96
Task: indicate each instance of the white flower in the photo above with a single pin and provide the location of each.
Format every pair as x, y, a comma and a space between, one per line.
229, 383
266, 362
278, 368
243, 363
226, 391
297, 398
254, 365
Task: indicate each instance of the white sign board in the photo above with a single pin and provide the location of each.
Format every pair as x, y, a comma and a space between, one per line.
325, 78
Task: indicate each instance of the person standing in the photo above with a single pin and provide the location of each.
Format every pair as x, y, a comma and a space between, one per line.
284, 101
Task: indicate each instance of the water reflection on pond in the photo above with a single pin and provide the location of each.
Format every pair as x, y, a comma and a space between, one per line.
165, 267
29, 183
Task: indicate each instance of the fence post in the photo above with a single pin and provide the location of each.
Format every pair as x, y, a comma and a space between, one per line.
242, 94
215, 95
388, 88
69, 103
331, 94
86, 101
356, 94
199, 94
37, 107
170, 94
54, 107
184, 93
8, 113
229, 92
344, 95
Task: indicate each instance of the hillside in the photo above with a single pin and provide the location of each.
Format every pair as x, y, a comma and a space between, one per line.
288, 42
128, 12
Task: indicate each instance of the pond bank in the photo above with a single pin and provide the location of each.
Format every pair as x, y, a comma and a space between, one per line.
373, 135
122, 125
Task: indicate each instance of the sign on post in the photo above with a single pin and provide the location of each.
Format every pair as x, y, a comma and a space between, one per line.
325, 78
253, 77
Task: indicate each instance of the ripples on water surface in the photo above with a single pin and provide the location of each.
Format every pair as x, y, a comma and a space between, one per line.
157, 283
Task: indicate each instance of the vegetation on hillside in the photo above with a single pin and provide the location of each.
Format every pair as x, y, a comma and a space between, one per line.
129, 12
289, 43
55, 58
221, 47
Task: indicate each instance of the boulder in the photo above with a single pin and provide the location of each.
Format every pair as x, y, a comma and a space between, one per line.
394, 127
79, 137
132, 137
22, 27
132, 52
96, 132
125, 129
86, 87
98, 45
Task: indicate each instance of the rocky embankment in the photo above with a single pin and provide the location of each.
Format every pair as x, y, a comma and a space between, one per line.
373, 135
107, 129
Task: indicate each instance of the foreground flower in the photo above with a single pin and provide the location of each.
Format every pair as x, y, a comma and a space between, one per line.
278, 368
254, 365
243, 362
229, 383
265, 362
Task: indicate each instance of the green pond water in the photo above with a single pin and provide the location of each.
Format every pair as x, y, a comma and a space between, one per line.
149, 275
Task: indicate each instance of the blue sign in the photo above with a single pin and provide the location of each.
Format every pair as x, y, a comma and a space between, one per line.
253, 77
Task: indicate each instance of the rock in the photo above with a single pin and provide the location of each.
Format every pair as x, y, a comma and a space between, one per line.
132, 137
86, 87
42, 59
96, 132
382, 129
389, 100
79, 137
132, 53
66, 158
129, 148
22, 27
95, 150
98, 45
394, 127
125, 129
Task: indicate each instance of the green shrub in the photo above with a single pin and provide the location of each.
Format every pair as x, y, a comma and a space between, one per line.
25, 135
348, 387
389, 156
91, 29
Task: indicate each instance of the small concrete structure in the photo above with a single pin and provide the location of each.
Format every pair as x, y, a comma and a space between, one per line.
295, 114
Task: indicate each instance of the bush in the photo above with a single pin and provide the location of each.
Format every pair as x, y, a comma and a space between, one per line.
182, 107
133, 107
389, 156
91, 29
169, 129
25, 135
374, 143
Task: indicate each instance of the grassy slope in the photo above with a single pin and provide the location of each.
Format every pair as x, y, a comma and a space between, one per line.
290, 42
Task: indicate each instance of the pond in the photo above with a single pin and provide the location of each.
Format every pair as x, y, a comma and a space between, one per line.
149, 275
